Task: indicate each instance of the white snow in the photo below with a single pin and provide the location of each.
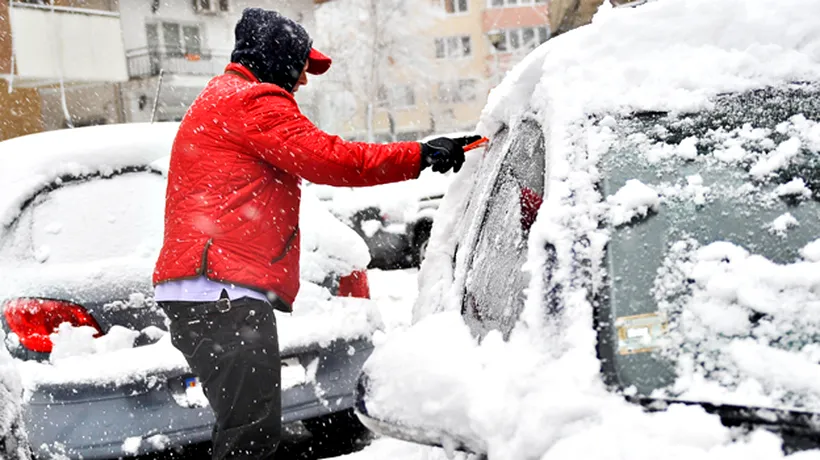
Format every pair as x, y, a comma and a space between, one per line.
722, 355
158, 441
811, 252
539, 394
78, 151
635, 199
783, 223
132, 445
670, 55
796, 186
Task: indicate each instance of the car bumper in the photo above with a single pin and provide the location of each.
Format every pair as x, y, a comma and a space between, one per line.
94, 422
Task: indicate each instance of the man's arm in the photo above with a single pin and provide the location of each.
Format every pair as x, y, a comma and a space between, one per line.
278, 132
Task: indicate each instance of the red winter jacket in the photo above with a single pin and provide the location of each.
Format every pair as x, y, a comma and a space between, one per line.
232, 203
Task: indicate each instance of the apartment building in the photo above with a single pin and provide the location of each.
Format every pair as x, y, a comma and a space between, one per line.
472, 46
48, 50
190, 42
67, 63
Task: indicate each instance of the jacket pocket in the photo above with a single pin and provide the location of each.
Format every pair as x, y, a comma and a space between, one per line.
288, 245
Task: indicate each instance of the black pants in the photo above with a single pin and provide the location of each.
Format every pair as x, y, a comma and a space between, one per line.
232, 346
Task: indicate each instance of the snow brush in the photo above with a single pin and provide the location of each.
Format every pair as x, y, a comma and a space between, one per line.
476, 144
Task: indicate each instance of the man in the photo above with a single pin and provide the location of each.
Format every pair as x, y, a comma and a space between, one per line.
231, 248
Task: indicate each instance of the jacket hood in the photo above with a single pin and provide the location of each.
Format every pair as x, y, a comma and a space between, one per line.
273, 47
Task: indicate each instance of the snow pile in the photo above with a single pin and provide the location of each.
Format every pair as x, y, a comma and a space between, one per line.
746, 328
633, 200
795, 187
540, 394
783, 223
33, 161
73, 341
811, 251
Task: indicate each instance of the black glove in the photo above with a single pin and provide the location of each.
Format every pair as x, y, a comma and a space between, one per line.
443, 153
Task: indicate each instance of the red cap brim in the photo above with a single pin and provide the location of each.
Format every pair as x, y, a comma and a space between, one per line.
318, 63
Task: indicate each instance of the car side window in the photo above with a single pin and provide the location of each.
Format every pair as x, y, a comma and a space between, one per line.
495, 284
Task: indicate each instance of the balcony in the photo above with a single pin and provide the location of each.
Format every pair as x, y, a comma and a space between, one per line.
83, 42
145, 62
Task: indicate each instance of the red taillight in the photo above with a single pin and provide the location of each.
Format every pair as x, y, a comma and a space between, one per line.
34, 320
354, 285
530, 203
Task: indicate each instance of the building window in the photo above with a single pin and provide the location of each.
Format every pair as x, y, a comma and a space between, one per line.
455, 6
454, 47
454, 92
176, 40
396, 97
212, 6
526, 38
512, 3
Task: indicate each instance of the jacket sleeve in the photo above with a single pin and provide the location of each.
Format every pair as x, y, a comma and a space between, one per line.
282, 136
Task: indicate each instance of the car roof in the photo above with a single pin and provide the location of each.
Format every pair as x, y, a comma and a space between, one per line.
670, 55
30, 162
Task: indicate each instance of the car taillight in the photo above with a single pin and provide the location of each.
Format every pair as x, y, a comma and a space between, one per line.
34, 320
354, 285
530, 203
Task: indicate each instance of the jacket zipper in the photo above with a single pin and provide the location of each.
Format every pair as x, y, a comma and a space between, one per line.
204, 267
288, 244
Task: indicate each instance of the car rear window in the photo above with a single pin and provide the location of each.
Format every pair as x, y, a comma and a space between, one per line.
713, 293
94, 218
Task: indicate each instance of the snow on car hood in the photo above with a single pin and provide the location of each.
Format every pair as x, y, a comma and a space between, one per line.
540, 394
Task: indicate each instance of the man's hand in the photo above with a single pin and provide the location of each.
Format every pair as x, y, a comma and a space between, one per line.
443, 153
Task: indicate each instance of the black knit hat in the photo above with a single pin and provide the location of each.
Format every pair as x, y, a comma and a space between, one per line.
273, 47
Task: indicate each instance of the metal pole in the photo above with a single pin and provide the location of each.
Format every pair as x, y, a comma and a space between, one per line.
156, 97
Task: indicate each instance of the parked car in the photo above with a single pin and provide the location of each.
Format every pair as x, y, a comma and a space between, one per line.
81, 225
393, 219
643, 232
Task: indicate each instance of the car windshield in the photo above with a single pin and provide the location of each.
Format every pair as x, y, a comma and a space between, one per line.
714, 256
91, 219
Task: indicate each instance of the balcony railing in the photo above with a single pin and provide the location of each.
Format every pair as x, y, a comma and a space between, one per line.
148, 62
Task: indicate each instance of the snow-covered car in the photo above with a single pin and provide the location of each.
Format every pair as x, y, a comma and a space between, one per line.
81, 224
393, 219
632, 269
14, 443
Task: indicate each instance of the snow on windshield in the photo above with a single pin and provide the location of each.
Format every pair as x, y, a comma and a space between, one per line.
745, 328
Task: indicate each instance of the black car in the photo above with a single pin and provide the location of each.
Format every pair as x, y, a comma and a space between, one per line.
692, 260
